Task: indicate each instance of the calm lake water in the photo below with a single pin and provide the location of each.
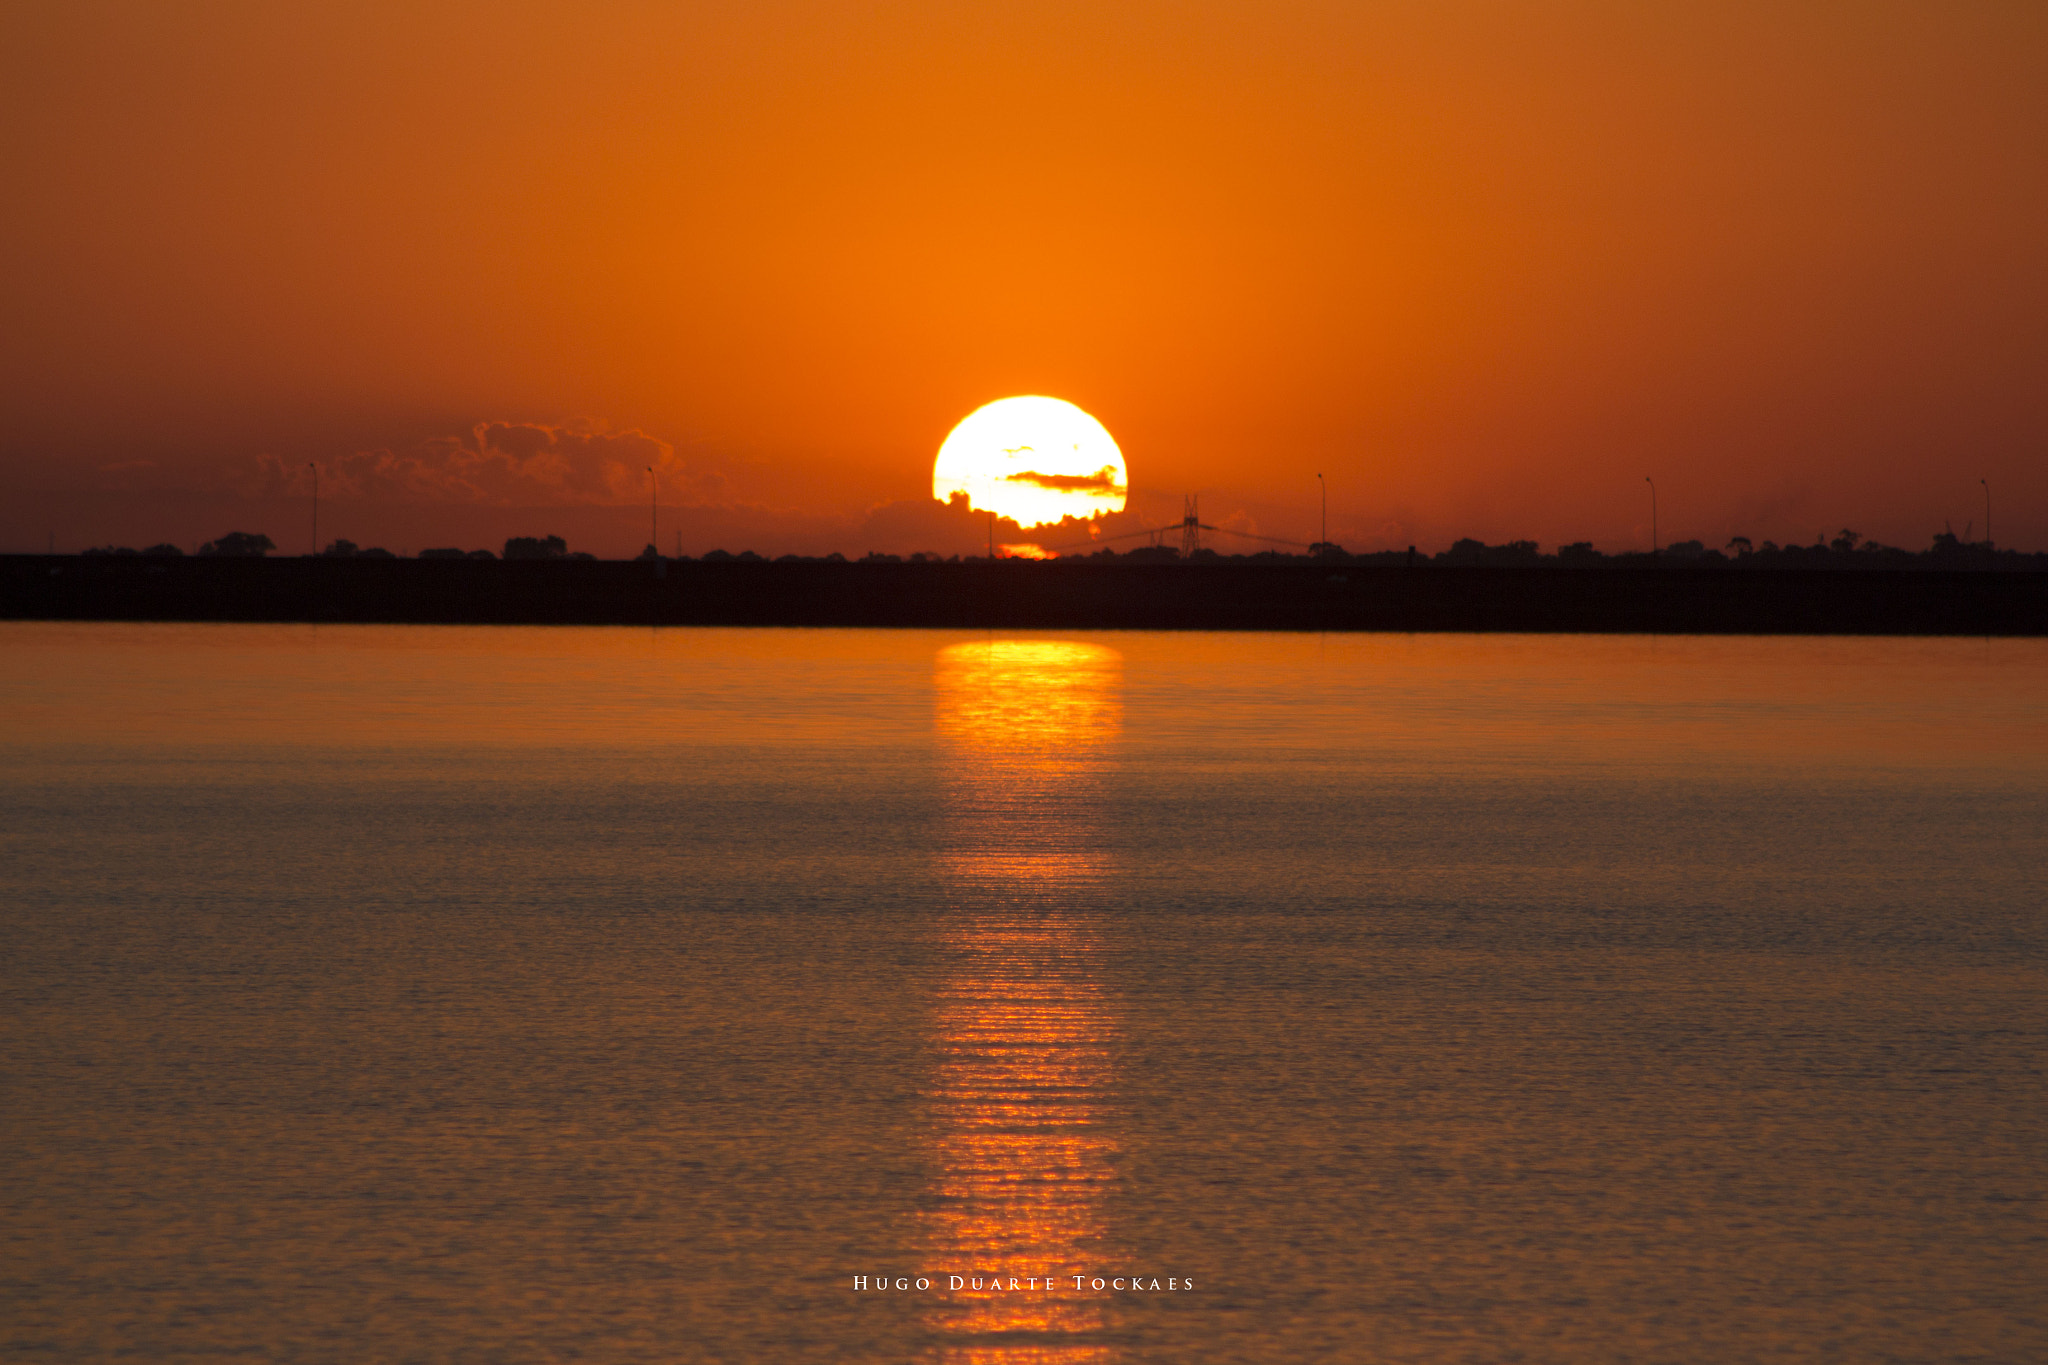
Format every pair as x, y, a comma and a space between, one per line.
483, 994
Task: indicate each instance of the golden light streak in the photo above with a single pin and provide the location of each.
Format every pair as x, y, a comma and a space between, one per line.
1022, 1142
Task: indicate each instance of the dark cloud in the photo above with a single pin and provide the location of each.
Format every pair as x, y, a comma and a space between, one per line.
926, 524
1102, 481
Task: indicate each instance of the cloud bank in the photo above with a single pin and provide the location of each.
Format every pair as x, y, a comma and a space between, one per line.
499, 464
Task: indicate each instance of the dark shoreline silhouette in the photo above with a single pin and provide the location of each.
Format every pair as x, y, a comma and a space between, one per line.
1280, 593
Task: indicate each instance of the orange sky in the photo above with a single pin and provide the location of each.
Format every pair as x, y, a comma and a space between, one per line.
1485, 265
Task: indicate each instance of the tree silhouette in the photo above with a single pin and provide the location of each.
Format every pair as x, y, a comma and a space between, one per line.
532, 547
239, 545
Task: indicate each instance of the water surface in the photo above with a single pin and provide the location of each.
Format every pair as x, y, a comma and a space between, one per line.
619, 995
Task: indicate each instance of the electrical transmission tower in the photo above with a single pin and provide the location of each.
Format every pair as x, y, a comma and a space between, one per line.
1190, 528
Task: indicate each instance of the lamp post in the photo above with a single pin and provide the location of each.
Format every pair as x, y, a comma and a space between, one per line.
1653, 514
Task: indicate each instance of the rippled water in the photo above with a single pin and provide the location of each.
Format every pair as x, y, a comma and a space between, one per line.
485, 994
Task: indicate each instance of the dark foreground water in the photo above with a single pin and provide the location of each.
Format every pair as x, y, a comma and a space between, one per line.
612, 995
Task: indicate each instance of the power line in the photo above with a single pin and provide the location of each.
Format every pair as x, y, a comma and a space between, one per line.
1186, 525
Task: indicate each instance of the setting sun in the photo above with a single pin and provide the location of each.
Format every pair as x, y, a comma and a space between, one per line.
1032, 459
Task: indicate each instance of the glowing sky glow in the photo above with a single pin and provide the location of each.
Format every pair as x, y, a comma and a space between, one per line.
1033, 459
1484, 265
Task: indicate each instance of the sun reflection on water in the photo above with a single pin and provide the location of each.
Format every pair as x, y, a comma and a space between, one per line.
1022, 1139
